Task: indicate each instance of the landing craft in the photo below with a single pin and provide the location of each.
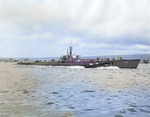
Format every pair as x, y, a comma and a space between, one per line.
124, 63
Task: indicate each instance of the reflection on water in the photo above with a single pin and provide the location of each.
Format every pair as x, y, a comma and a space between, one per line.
79, 92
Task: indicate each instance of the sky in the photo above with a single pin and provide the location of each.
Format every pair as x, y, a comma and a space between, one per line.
45, 28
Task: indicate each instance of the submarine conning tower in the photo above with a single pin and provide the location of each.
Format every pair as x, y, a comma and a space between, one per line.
70, 50
70, 56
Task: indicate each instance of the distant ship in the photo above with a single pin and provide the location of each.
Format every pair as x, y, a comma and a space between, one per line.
68, 60
147, 61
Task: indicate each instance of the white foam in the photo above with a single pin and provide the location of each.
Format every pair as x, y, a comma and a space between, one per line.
110, 67
76, 67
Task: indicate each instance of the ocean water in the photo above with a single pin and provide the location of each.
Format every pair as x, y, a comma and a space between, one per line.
61, 91
100, 92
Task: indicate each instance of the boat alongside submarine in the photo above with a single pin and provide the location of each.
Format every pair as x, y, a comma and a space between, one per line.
68, 60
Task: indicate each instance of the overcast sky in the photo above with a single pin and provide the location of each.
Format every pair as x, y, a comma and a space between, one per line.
44, 28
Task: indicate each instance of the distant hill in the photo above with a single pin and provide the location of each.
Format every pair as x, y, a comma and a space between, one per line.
133, 56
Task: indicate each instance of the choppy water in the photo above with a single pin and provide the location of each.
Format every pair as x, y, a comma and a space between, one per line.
101, 92
74, 90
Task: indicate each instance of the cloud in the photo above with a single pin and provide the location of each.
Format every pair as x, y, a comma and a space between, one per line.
95, 24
